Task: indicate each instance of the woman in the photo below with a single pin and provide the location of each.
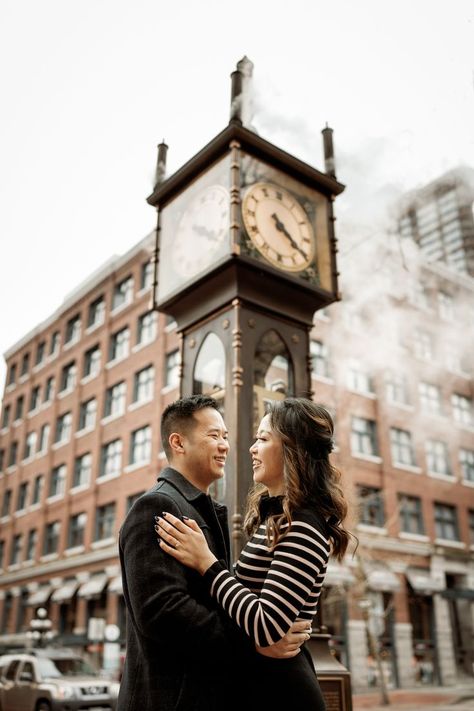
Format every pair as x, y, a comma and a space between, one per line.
294, 520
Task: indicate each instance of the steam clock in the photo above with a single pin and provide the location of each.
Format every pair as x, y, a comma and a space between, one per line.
246, 253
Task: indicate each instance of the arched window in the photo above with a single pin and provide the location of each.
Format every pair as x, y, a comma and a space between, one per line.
273, 372
209, 370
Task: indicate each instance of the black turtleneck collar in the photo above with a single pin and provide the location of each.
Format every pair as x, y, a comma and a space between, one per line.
270, 506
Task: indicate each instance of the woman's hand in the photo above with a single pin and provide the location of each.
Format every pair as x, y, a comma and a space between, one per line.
185, 541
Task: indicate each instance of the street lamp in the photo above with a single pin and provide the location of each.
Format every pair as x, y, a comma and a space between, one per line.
40, 631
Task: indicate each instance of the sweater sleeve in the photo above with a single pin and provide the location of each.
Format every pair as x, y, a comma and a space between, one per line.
296, 572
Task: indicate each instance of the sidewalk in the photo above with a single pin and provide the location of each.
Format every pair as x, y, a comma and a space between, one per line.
438, 697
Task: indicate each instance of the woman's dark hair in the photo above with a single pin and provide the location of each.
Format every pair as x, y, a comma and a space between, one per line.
179, 417
306, 430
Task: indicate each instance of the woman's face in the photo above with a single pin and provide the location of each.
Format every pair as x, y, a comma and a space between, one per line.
267, 458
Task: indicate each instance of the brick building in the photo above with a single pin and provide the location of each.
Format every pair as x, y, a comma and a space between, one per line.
79, 441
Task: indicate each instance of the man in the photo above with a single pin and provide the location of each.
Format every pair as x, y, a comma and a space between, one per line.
182, 653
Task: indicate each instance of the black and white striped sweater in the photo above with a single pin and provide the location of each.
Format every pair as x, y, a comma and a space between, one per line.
274, 588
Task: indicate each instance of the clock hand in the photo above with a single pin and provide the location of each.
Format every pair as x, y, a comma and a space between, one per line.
281, 228
202, 231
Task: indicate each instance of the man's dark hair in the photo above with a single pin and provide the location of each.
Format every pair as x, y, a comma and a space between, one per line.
179, 416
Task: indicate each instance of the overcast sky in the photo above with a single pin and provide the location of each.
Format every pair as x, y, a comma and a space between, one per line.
89, 87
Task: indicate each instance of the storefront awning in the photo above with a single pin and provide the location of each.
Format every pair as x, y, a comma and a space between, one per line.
338, 574
423, 582
93, 587
65, 592
40, 596
115, 585
381, 578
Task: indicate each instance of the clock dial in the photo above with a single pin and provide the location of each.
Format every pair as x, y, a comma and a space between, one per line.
201, 230
278, 226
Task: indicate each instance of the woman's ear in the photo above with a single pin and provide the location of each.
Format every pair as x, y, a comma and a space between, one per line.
176, 443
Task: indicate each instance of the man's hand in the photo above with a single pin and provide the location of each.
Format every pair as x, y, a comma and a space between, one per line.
289, 645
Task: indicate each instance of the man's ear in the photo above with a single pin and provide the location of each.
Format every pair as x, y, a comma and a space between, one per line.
175, 441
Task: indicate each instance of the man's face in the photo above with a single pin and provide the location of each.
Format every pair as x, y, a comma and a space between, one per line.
205, 448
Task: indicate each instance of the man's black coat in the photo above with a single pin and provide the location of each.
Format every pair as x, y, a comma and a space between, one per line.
181, 650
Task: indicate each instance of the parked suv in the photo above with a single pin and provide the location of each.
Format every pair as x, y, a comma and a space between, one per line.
53, 680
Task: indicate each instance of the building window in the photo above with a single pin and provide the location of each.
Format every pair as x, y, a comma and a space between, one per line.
54, 345
35, 398
96, 313
466, 460
445, 306
12, 374
43, 438
419, 295
462, 408
146, 275
364, 436
111, 458
2, 553
140, 446
73, 330
51, 538
31, 544
359, 379
172, 369
57, 481
25, 365
371, 508
115, 398
22, 496
76, 530
6, 416
13, 454
143, 384
446, 522
30, 445
119, 344
92, 362
397, 389
411, 515
319, 359
437, 458
40, 352
37, 489
453, 358
471, 527
49, 389
63, 428
123, 293
105, 522
131, 500
2, 459
423, 345
87, 414
7, 498
430, 398
401, 447
82, 470
15, 554
68, 376
19, 407
146, 328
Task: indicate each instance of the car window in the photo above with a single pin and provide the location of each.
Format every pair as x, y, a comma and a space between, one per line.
12, 669
65, 666
28, 669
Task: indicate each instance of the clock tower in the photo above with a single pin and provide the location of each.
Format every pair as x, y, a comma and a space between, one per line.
245, 254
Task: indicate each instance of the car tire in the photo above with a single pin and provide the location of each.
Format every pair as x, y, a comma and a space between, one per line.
43, 706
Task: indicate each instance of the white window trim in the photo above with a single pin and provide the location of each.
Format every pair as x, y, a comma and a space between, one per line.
169, 388
93, 327
444, 477
136, 465
451, 544
80, 487
55, 497
84, 431
88, 378
103, 543
322, 378
111, 418
139, 403
367, 457
112, 363
57, 445
75, 550
413, 468
64, 393
466, 482
368, 528
414, 536
108, 477
49, 556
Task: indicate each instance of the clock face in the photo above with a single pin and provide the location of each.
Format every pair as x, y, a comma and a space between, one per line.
278, 226
201, 231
